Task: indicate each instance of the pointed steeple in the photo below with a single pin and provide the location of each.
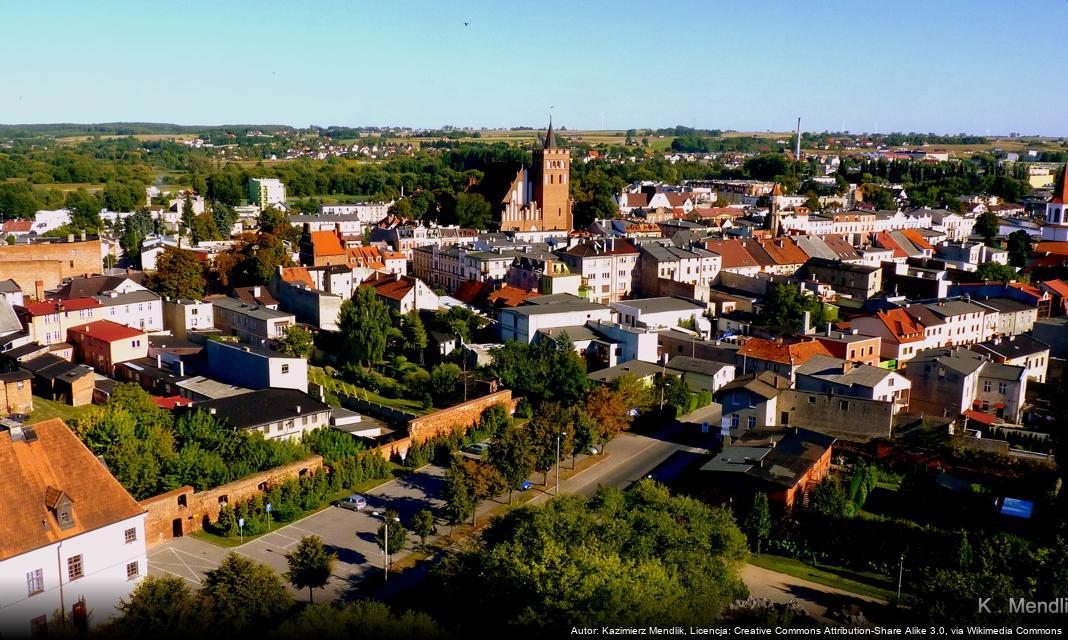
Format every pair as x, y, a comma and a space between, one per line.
1060, 187
550, 137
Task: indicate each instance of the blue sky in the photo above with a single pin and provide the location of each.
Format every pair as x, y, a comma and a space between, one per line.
940, 65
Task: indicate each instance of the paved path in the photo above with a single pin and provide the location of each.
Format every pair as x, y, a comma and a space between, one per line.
817, 599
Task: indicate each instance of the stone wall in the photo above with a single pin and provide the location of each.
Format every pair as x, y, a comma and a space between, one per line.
184, 511
48, 262
458, 417
844, 417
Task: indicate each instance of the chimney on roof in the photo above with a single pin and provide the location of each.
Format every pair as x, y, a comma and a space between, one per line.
298, 409
83, 235
256, 291
159, 361
38, 289
181, 367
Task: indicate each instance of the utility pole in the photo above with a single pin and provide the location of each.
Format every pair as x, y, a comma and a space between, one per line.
900, 574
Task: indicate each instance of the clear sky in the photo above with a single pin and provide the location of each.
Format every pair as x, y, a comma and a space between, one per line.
936, 65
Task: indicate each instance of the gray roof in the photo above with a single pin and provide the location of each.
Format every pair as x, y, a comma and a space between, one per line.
637, 368
815, 247
1012, 347
1006, 305
577, 333
558, 307
696, 365
778, 457
831, 369
248, 410
211, 388
948, 308
1002, 372
9, 321
126, 298
252, 310
660, 305
9, 286
958, 359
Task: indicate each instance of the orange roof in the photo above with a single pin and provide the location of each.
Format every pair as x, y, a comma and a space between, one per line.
389, 286
902, 326
916, 238
676, 199
297, 275
106, 331
326, 243
55, 466
883, 239
48, 307
1059, 287
781, 250
732, 252
472, 291
793, 354
776, 190
510, 297
1055, 248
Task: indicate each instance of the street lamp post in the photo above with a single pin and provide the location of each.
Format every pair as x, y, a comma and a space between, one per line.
385, 546
900, 574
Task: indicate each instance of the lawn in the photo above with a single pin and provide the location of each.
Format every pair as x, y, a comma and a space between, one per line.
44, 409
860, 582
318, 376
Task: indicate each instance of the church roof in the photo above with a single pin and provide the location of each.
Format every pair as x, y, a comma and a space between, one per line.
550, 137
1060, 190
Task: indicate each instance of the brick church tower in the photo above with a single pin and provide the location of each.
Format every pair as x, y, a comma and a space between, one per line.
550, 178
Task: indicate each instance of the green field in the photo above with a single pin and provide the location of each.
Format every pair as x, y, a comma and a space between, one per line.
44, 409
859, 582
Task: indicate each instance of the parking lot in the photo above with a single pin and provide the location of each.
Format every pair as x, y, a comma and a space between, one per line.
349, 534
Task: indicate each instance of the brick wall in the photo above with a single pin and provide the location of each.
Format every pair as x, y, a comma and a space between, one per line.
457, 417
187, 510
17, 400
49, 262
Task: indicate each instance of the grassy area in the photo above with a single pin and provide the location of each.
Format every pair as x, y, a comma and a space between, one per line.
318, 376
363, 487
859, 582
44, 409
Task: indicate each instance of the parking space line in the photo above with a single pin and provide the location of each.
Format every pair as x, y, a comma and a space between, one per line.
177, 575
188, 568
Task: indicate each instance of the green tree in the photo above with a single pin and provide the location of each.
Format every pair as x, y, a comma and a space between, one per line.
364, 322
393, 529
459, 492
444, 378
1019, 247
785, 306
188, 214
298, 341
758, 521
244, 597
310, 565
415, 339
987, 226
550, 420
513, 455
423, 525
179, 274
995, 271
84, 210
202, 228
473, 211
159, 607
361, 619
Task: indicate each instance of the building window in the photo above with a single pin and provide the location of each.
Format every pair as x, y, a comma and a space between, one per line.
986, 386
812, 399
285, 368
130, 535
132, 571
752, 422
734, 421
1002, 388
843, 405
75, 569
34, 582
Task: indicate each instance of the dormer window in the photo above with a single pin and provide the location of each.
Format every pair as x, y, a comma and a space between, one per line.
61, 507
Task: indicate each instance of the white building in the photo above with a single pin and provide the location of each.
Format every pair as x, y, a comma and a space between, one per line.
366, 212
182, 316
657, 313
549, 312
72, 540
44, 221
265, 192
1056, 227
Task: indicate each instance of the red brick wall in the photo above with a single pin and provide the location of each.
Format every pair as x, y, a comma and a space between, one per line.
49, 263
458, 417
164, 509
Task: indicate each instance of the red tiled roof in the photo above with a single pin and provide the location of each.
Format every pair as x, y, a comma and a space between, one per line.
676, 199
1059, 287
17, 226
326, 243
472, 291
781, 250
510, 297
636, 200
884, 241
106, 331
1052, 247
297, 275
171, 402
916, 238
389, 286
47, 307
732, 252
980, 417
901, 325
794, 354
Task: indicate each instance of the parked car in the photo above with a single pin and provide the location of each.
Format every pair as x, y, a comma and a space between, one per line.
478, 448
355, 502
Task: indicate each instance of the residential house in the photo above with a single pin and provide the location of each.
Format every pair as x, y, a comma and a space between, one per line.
609, 268
402, 293
1019, 351
851, 346
104, 344
750, 401
72, 540
522, 323
255, 367
1013, 317
543, 272
778, 356
278, 414
605, 344
779, 256
702, 375
657, 313
824, 374
783, 463
665, 261
859, 281
644, 372
251, 323
734, 257
48, 321
948, 381
900, 335
182, 316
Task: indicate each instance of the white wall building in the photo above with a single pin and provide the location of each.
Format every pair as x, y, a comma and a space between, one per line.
265, 192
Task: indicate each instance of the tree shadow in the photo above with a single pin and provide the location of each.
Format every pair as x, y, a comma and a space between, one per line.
346, 555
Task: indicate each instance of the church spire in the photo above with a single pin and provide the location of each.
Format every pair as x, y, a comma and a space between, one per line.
550, 137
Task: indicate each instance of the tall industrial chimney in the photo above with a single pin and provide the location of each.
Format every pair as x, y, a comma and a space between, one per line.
797, 145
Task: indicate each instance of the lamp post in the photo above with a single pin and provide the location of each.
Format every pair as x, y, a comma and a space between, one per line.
559, 435
385, 546
900, 574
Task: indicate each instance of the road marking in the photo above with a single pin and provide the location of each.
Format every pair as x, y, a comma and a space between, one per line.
193, 581
188, 568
